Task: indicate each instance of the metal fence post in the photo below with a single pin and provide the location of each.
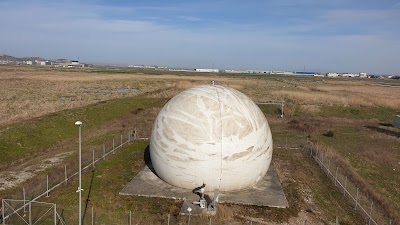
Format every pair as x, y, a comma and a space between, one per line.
322, 163
30, 213
130, 217
312, 148
93, 158
65, 174
92, 216
356, 200
121, 140
47, 186
136, 136
168, 219
104, 151
286, 142
370, 214
23, 192
55, 214
3, 211
113, 146
337, 168
345, 187
329, 165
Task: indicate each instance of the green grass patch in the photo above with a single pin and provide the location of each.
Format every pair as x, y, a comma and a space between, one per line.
271, 110
379, 113
25, 138
372, 155
109, 177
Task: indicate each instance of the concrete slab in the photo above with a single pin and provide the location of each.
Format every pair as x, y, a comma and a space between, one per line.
267, 192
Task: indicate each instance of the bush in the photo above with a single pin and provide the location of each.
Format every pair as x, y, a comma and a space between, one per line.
329, 133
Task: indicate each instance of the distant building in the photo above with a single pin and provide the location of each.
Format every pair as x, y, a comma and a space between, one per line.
350, 75
280, 72
75, 63
332, 74
29, 62
363, 74
235, 71
305, 73
207, 70
43, 63
40, 62
258, 71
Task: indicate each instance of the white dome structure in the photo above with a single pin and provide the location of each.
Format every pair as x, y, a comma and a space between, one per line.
213, 135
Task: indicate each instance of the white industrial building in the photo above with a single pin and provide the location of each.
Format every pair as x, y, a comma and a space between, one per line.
207, 70
42, 62
350, 75
332, 74
235, 71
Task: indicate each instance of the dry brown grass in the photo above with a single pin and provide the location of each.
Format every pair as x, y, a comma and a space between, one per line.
343, 94
26, 93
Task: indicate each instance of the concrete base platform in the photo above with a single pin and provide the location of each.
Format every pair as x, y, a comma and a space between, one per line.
267, 192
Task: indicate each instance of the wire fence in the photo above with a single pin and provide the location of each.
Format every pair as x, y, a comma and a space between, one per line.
39, 187
33, 212
131, 218
373, 212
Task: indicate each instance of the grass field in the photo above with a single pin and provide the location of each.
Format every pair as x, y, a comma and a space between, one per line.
39, 107
323, 204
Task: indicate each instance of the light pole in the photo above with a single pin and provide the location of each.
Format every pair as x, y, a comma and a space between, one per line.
189, 210
79, 124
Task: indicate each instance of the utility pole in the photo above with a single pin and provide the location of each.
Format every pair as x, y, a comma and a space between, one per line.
79, 124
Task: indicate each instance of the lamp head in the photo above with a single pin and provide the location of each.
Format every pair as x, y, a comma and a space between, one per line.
78, 123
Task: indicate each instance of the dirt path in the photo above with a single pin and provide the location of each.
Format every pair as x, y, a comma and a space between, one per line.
15, 176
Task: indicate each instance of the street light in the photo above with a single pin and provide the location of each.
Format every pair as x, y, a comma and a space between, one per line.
79, 123
189, 210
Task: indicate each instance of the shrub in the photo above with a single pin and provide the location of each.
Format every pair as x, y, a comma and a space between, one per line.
329, 133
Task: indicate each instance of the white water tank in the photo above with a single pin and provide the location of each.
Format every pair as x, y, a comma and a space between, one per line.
214, 135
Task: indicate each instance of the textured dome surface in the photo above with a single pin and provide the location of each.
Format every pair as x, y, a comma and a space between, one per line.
213, 135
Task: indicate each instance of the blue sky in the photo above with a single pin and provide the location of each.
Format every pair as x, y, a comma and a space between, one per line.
340, 35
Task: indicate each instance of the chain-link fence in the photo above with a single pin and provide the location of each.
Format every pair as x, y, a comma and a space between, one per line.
39, 187
373, 212
17, 212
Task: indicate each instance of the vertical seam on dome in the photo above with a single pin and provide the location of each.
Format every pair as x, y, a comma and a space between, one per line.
220, 118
